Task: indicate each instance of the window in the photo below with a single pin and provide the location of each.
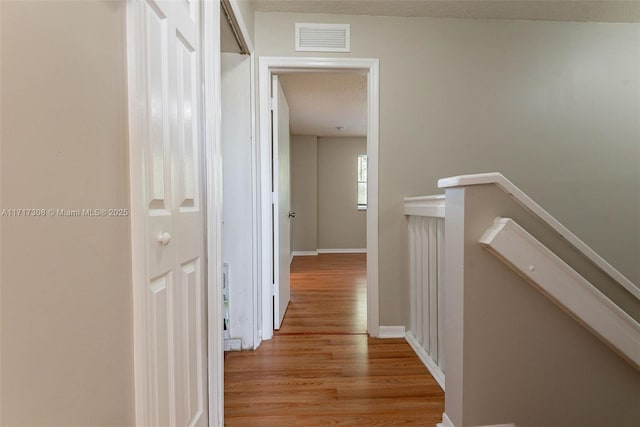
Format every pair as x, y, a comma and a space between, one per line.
362, 181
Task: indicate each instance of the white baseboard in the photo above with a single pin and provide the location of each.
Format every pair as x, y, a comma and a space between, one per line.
304, 253
233, 344
446, 422
343, 251
391, 332
427, 361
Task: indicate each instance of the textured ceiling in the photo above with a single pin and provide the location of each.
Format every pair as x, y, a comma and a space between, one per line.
539, 10
320, 102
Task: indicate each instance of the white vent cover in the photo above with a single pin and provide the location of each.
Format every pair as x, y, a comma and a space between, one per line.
323, 37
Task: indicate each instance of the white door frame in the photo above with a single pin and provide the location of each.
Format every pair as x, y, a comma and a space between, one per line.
267, 67
212, 93
211, 76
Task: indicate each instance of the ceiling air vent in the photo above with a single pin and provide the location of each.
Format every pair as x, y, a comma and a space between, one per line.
322, 37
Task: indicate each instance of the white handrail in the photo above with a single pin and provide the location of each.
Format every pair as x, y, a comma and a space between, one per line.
566, 287
507, 186
433, 206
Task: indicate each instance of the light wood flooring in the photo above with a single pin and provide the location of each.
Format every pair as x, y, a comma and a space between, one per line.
321, 369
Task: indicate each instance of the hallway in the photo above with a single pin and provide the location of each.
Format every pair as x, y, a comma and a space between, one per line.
321, 368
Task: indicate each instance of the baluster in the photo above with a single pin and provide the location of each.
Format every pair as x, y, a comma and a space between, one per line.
425, 283
412, 274
440, 293
418, 254
433, 288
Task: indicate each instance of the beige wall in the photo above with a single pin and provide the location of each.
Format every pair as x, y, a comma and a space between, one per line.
340, 224
553, 106
324, 193
556, 372
304, 193
66, 325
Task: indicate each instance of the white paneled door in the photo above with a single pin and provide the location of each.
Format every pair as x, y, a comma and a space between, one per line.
167, 206
282, 204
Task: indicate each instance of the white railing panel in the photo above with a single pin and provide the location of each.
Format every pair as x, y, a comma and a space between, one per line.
426, 267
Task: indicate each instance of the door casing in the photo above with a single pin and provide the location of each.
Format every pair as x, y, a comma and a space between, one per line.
212, 122
268, 66
212, 92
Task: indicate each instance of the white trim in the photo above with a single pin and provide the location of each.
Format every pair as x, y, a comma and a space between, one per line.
233, 344
138, 261
446, 421
1, 264
343, 251
255, 182
391, 332
291, 258
508, 187
268, 66
426, 360
265, 282
564, 286
305, 253
213, 157
431, 206
373, 117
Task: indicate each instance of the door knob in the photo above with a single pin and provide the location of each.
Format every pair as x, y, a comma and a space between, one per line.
164, 238
292, 214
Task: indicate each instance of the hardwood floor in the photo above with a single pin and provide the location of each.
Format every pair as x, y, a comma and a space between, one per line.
328, 295
321, 369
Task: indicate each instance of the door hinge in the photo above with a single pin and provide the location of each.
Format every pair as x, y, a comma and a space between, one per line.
273, 289
271, 104
273, 198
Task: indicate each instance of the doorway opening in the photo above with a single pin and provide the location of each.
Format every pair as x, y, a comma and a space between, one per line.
326, 204
271, 291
